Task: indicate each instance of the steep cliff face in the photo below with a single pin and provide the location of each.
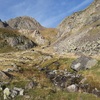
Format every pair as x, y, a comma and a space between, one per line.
24, 22
80, 32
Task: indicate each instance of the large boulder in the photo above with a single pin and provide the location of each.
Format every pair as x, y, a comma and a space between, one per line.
83, 63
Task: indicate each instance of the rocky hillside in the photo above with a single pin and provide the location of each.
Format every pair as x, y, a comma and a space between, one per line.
31, 29
11, 40
22, 33
24, 22
80, 32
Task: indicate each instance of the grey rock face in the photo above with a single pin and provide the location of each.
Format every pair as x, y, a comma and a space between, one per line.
24, 23
80, 32
35, 35
83, 63
17, 41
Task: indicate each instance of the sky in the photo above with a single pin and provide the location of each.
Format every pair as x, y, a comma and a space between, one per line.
48, 13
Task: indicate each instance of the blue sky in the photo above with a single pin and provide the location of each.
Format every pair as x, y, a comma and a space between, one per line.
48, 12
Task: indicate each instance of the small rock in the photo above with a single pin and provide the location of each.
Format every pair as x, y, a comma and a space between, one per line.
6, 93
21, 92
72, 88
14, 93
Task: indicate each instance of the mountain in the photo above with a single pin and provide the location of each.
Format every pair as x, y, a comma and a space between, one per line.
38, 63
21, 33
80, 32
24, 22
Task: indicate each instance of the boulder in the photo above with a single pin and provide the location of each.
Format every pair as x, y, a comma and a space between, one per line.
14, 93
72, 88
83, 63
20, 90
6, 93
96, 92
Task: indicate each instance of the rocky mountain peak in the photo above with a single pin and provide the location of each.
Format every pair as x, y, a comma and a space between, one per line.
24, 22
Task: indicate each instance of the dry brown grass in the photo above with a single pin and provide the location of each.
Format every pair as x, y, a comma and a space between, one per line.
49, 34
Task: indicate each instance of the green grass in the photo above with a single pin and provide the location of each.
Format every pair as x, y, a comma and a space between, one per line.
41, 94
44, 92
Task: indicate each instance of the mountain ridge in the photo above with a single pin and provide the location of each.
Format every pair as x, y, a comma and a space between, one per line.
80, 32
24, 22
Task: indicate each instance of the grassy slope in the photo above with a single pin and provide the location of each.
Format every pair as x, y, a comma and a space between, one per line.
44, 92
49, 34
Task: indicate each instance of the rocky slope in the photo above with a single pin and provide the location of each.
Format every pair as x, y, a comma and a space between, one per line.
13, 40
80, 32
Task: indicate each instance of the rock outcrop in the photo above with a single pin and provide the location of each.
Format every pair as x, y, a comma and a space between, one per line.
80, 32
35, 36
30, 28
15, 40
83, 63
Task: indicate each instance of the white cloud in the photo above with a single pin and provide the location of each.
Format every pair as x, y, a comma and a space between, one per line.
49, 22
79, 6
